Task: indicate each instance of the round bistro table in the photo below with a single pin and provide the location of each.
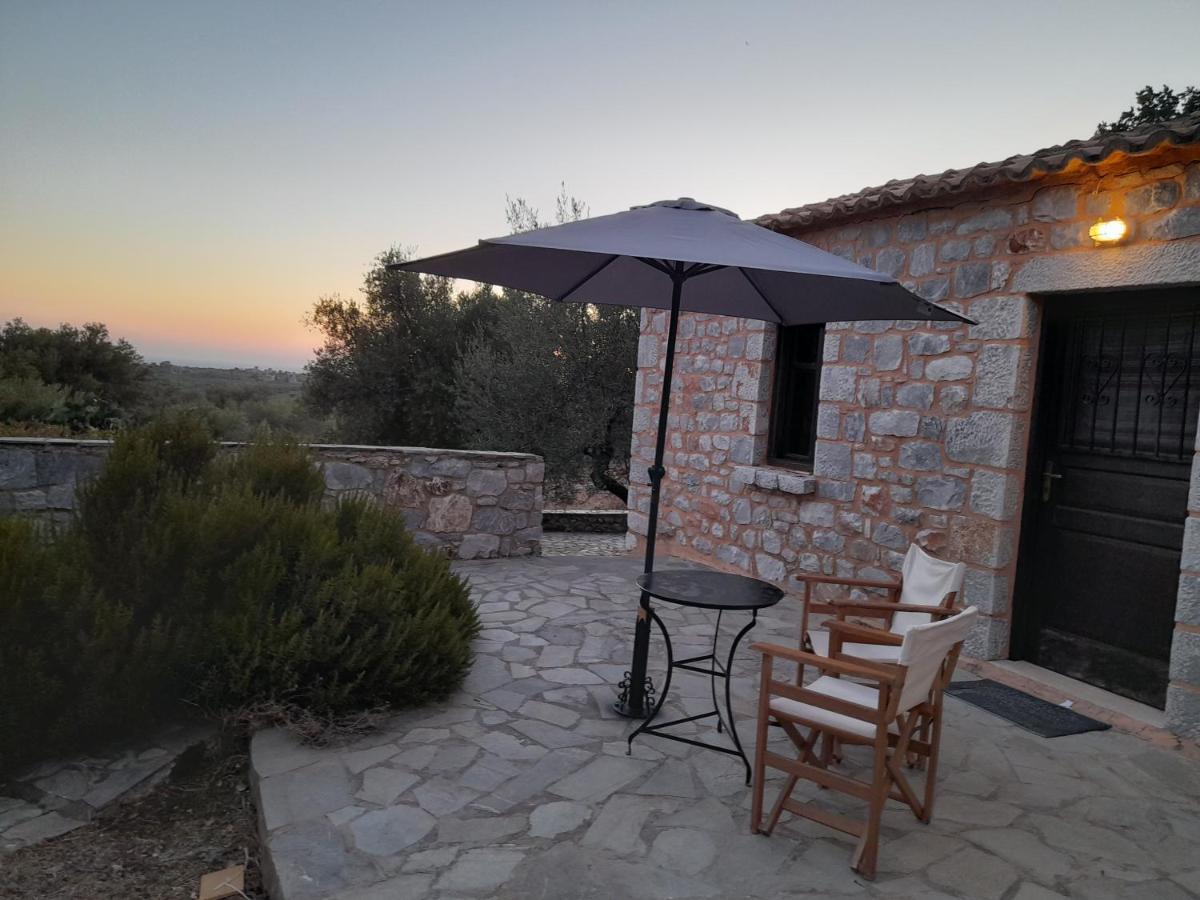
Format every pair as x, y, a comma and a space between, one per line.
723, 592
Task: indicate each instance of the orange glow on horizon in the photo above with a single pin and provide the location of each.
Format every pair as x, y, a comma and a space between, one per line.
249, 309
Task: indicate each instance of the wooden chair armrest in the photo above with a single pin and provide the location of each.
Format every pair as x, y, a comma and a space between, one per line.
850, 582
867, 608
881, 674
863, 634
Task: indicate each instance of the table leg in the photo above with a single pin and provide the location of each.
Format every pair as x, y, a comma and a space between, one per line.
728, 693
712, 678
662, 697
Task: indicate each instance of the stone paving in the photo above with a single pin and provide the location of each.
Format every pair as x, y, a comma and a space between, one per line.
58, 796
519, 785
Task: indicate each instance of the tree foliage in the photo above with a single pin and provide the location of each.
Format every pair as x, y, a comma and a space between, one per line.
1154, 106
236, 404
415, 363
67, 381
386, 368
77, 377
554, 379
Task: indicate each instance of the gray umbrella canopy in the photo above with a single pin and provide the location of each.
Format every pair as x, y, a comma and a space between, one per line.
747, 270
715, 263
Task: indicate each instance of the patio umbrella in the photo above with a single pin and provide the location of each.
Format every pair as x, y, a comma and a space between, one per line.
714, 263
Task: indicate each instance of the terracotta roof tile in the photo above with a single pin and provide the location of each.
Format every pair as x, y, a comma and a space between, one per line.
1023, 167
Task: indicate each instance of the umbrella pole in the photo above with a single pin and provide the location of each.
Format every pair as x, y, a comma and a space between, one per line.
632, 701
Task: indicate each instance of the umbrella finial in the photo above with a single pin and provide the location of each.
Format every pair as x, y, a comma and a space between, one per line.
688, 203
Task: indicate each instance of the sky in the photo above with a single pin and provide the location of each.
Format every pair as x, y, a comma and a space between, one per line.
196, 175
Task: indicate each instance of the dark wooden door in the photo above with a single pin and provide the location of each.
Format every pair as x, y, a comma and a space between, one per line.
1119, 398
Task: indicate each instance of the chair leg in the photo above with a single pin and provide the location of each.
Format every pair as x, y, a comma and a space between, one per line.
917, 760
867, 852
931, 765
900, 756
827, 750
806, 746
778, 808
760, 771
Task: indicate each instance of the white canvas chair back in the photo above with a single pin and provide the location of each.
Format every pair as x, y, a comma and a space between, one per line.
924, 650
927, 581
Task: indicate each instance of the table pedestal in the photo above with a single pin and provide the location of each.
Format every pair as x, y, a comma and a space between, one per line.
714, 668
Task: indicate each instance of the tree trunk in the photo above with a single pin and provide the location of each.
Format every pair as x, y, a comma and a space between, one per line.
602, 457
602, 479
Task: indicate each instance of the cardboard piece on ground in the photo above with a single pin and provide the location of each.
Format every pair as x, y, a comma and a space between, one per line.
229, 882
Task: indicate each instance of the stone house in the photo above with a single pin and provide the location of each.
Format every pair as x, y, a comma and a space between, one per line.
1052, 446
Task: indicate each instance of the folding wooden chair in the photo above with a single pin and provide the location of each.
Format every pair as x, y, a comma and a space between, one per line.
898, 713
927, 590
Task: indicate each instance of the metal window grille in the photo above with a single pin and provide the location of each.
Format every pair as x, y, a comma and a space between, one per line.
1132, 389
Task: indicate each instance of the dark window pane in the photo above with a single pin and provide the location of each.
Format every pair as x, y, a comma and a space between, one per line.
797, 380
806, 342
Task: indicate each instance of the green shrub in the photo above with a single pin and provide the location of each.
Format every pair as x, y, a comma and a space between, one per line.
272, 467
223, 581
29, 400
30, 675
333, 611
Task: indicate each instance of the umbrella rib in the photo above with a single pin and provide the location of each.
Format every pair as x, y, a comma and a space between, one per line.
585, 279
657, 264
702, 269
759, 291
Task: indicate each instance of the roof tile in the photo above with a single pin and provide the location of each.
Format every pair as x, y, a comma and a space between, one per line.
1022, 167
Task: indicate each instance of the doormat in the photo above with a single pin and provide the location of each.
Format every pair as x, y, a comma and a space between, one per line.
1031, 713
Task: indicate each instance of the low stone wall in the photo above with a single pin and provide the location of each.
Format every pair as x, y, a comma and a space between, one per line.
38, 476
474, 504
469, 504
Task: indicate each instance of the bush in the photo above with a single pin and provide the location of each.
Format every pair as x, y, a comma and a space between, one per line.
222, 581
320, 614
29, 400
30, 682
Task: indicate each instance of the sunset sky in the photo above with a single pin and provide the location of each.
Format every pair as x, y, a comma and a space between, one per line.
196, 175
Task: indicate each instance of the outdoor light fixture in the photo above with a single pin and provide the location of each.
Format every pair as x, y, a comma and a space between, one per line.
1108, 231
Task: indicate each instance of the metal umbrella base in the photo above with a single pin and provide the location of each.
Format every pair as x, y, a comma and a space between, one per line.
715, 668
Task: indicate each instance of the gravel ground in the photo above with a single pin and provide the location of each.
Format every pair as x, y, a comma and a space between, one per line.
158, 846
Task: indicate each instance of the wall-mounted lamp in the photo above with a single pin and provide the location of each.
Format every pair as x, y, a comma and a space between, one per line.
1108, 231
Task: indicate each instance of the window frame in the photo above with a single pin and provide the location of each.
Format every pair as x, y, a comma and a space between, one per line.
784, 355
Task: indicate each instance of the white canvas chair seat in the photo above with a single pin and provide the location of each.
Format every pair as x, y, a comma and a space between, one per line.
840, 689
894, 709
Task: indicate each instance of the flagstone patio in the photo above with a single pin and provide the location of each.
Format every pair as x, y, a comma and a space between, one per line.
519, 785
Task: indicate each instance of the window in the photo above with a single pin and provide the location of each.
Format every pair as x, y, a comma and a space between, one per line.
797, 390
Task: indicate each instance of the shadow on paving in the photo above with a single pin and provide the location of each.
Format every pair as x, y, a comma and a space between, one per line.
519, 785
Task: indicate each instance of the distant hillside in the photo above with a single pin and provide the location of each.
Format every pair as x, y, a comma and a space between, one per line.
198, 381
235, 402
78, 381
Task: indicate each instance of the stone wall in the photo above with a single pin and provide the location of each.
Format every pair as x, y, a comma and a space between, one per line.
1183, 690
922, 428
469, 504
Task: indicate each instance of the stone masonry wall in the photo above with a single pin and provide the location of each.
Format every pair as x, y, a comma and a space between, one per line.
922, 428
1183, 690
469, 504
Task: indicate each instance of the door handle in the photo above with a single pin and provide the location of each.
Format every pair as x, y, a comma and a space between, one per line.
1048, 479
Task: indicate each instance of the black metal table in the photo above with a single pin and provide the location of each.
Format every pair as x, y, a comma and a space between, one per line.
723, 592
